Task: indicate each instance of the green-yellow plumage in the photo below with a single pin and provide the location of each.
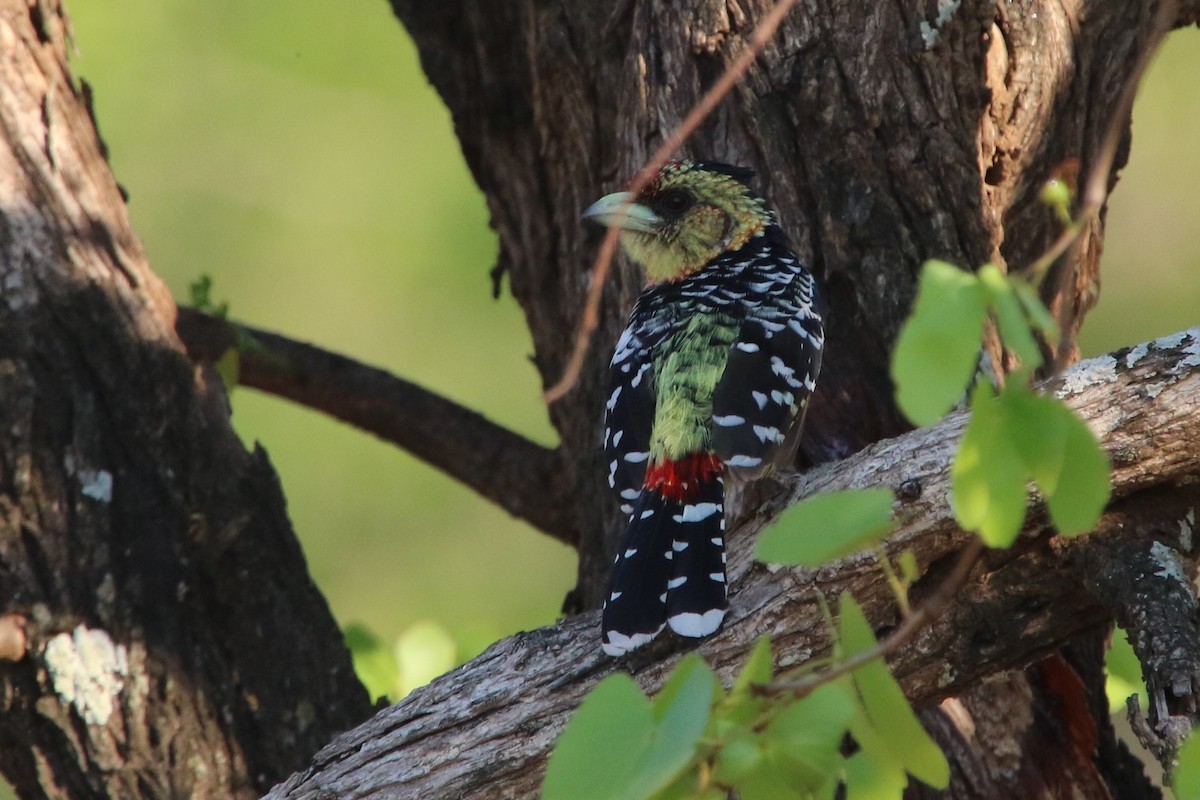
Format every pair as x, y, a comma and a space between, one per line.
684, 220
686, 376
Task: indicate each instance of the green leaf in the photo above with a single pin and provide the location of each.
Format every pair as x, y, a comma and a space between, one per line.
758, 668
768, 782
620, 745
988, 475
1040, 318
374, 663
1010, 316
1078, 500
827, 526
886, 706
869, 778
739, 758
806, 736
1186, 778
1036, 431
1059, 451
614, 719
938, 348
682, 708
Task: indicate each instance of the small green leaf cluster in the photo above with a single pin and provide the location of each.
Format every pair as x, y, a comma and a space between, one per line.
200, 295
696, 741
228, 365
1014, 436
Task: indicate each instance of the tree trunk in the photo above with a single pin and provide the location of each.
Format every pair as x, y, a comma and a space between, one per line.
163, 637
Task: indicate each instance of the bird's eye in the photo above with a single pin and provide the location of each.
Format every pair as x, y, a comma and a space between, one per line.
674, 202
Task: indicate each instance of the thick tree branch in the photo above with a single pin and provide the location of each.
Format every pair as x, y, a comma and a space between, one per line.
520, 476
485, 729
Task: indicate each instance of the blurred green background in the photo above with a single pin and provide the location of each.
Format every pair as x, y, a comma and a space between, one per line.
295, 152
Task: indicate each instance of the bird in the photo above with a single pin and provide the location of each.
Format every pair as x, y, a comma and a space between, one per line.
709, 382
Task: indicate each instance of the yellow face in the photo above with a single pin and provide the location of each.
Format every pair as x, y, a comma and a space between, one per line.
690, 214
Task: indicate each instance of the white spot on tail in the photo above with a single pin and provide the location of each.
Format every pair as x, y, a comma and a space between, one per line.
759, 398
618, 644
747, 347
766, 433
699, 512
744, 461
649, 512
675, 583
631, 552
614, 596
612, 399
781, 369
679, 547
728, 420
719, 577
697, 625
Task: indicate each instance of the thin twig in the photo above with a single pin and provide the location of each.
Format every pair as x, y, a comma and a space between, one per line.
923, 615
1095, 189
591, 311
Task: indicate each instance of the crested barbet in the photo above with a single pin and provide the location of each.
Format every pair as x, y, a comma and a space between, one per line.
709, 383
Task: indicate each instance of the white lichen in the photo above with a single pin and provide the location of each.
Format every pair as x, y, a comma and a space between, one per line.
1136, 354
931, 33
1168, 562
96, 484
88, 670
1191, 350
1093, 372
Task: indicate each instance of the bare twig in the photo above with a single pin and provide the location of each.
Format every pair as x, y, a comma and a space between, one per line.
524, 478
1095, 188
608, 247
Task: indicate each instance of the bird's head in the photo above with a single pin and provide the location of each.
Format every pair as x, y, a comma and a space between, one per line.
688, 215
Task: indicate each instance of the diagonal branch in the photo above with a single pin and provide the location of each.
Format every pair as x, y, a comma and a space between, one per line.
522, 477
485, 729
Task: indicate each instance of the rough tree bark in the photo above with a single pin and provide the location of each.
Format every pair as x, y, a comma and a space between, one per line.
163, 637
135, 527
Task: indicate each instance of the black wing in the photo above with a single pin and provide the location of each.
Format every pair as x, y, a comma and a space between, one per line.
759, 403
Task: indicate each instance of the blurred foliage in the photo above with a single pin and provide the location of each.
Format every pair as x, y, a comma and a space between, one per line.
1150, 282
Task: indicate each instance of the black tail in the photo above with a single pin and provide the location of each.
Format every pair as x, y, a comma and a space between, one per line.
670, 569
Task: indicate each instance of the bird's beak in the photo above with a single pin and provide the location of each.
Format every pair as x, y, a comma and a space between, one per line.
618, 210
